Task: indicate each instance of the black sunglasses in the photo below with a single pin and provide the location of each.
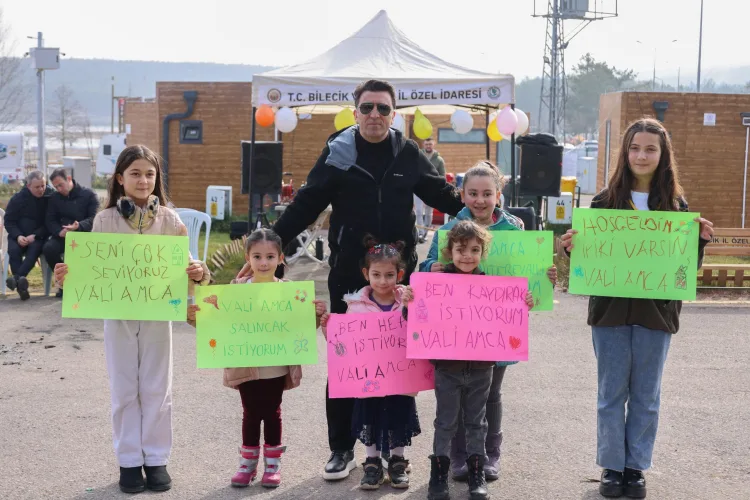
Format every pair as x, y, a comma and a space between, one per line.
366, 108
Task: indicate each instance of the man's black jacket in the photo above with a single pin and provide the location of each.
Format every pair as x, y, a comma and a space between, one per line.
25, 214
80, 205
361, 205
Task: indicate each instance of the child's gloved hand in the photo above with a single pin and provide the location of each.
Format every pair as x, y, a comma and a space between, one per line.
529, 300
552, 274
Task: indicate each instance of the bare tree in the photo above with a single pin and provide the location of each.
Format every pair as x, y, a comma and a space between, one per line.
14, 90
87, 134
66, 114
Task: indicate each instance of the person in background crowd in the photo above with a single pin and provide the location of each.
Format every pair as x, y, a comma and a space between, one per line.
71, 208
24, 221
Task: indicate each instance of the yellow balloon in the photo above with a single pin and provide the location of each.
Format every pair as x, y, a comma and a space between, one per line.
493, 133
344, 118
422, 128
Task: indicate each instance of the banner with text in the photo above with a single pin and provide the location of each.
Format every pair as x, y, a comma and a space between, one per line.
367, 357
519, 253
634, 254
126, 276
256, 324
492, 93
468, 317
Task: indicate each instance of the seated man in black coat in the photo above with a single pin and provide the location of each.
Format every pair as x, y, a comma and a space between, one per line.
71, 208
24, 221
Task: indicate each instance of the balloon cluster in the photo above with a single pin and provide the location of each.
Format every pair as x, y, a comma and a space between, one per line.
502, 125
285, 118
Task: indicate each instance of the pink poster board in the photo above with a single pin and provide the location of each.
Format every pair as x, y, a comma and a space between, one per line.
367, 357
468, 317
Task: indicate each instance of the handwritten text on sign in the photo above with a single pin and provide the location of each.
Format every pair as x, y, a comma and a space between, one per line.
256, 324
468, 317
635, 254
126, 276
367, 357
519, 253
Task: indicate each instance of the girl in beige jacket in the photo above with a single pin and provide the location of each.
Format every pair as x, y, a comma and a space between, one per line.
261, 388
139, 353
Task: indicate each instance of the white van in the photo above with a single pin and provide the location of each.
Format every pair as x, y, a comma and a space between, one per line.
110, 147
11, 156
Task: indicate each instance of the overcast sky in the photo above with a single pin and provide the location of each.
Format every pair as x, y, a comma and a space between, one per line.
498, 35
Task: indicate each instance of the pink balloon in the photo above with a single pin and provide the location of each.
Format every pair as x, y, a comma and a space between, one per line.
507, 121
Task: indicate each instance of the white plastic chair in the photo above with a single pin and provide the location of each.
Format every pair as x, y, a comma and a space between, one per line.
5, 262
3, 252
193, 220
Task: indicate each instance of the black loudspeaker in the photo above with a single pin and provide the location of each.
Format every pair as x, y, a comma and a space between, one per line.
541, 170
264, 170
526, 214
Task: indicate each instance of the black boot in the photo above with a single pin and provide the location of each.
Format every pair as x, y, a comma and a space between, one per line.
11, 283
611, 484
438, 488
477, 481
157, 478
131, 480
634, 483
23, 287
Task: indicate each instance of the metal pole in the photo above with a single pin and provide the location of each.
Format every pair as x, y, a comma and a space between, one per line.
42, 161
250, 227
653, 81
700, 48
553, 76
487, 137
112, 102
514, 195
744, 180
678, 79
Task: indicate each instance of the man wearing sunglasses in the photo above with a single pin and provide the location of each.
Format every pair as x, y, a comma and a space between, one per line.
369, 174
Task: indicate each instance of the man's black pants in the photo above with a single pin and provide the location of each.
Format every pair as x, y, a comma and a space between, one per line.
53, 251
23, 259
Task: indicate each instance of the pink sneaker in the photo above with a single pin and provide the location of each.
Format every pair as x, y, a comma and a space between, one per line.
248, 466
272, 458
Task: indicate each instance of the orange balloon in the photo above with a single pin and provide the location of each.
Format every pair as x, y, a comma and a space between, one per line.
264, 115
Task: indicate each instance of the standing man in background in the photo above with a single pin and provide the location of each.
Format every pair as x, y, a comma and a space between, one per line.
424, 213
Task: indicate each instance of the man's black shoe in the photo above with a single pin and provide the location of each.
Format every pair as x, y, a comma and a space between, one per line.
339, 465
131, 480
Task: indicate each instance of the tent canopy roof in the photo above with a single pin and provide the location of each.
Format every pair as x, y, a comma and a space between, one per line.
380, 50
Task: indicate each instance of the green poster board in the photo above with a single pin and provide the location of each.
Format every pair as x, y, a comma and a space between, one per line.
519, 253
256, 324
634, 254
126, 276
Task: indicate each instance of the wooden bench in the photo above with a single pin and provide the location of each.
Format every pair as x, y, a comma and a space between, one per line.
732, 242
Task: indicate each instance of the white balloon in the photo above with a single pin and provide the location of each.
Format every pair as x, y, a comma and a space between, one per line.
507, 121
461, 121
523, 122
493, 116
286, 120
399, 123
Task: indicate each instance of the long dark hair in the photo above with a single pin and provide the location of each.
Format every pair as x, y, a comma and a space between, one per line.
126, 158
265, 234
665, 189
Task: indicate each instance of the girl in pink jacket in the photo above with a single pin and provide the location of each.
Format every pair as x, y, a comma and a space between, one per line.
390, 421
261, 388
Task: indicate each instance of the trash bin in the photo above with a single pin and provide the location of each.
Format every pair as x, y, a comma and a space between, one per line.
568, 184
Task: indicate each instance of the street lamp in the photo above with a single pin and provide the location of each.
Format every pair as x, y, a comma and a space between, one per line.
700, 48
653, 81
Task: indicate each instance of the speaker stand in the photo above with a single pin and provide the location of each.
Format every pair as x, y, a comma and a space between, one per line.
539, 217
261, 220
